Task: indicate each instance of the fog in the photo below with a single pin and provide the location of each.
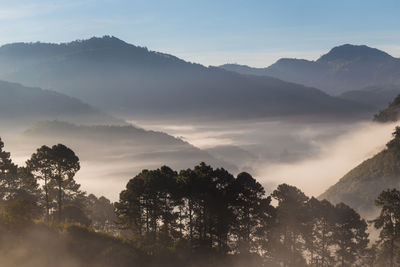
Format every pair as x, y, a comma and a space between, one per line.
335, 158
309, 155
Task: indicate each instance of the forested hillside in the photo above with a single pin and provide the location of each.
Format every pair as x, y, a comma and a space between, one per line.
196, 217
360, 187
391, 113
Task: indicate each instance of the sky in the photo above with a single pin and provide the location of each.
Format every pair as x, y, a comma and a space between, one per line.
210, 32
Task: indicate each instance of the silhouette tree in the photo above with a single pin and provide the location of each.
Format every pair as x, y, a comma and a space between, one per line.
252, 213
292, 223
57, 166
388, 222
65, 164
395, 142
16, 182
147, 205
200, 193
41, 167
101, 213
350, 235
130, 209
320, 240
8, 173
221, 208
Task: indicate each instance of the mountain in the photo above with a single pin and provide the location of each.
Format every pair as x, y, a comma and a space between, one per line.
128, 80
375, 96
360, 187
117, 143
344, 68
391, 113
19, 104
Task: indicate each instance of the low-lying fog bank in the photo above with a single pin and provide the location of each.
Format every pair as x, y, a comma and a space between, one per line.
309, 155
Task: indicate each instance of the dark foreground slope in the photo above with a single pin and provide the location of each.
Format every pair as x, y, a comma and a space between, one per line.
129, 80
361, 186
77, 246
344, 68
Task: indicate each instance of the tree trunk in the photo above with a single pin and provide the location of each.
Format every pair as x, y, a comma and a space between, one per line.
59, 201
147, 217
391, 252
285, 241
323, 244
46, 190
191, 222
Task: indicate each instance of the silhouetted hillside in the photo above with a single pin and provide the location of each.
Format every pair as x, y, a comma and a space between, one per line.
23, 104
126, 79
344, 68
361, 186
391, 113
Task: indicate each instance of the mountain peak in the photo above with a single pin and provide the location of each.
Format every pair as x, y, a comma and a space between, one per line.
98, 42
29, 50
350, 52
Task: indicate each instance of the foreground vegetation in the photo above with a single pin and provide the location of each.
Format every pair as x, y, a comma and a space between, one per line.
196, 217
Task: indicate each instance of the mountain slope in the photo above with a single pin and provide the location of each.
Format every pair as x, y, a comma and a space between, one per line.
344, 68
360, 187
129, 80
376, 96
114, 143
22, 104
391, 113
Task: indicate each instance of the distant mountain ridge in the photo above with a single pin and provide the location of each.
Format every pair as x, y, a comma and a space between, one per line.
128, 80
343, 68
376, 96
20, 104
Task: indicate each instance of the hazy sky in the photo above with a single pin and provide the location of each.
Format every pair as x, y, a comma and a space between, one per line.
211, 32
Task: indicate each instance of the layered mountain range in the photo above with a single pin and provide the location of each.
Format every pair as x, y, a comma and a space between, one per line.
365, 70
86, 80
124, 79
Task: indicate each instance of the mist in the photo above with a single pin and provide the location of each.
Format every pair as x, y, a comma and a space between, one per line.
309, 155
335, 158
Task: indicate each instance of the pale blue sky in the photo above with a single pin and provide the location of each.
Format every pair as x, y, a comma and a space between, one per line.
211, 32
